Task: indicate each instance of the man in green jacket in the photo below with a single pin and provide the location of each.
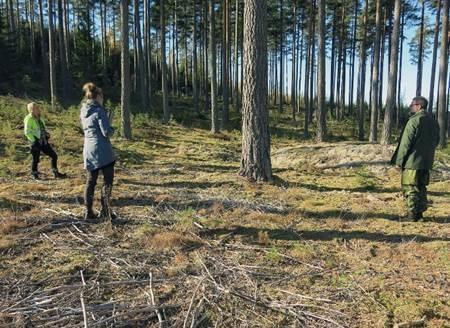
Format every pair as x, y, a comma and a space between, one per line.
37, 135
415, 156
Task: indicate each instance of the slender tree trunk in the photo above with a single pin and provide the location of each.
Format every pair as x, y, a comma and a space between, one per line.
434, 61
125, 122
51, 52
333, 60
194, 61
186, 56
294, 61
308, 72
206, 51
255, 159
142, 66
353, 58
375, 73
400, 68
362, 77
392, 83
225, 65
166, 108
421, 50
443, 69
312, 58
62, 50
281, 100
236, 59
32, 33
321, 83
148, 50
212, 68
44, 53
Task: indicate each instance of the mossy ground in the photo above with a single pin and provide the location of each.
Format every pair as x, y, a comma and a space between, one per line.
329, 233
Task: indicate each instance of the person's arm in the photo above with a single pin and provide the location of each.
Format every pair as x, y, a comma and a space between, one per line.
406, 143
103, 122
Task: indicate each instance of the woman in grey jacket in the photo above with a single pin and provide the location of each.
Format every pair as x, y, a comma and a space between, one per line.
98, 154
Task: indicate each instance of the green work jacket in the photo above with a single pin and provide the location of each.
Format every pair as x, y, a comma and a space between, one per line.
418, 143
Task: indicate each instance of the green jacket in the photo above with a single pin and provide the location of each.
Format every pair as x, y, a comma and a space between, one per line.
34, 128
418, 143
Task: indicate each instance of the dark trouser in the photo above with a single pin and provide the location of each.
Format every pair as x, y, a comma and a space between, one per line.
91, 182
414, 188
36, 149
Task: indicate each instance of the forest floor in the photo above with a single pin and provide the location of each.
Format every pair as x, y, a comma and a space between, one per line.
197, 246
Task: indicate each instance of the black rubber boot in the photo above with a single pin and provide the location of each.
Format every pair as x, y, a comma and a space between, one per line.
59, 175
106, 212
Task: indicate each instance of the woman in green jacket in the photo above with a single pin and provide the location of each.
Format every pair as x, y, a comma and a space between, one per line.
37, 135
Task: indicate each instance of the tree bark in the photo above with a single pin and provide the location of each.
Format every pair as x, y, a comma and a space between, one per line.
392, 82
375, 73
362, 77
255, 158
443, 69
125, 122
321, 83
421, 50
194, 61
434, 60
51, 52
212, 68
166, 108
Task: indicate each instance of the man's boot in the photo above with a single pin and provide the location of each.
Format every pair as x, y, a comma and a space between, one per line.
416, 217
106, 211
59, 175
89, 214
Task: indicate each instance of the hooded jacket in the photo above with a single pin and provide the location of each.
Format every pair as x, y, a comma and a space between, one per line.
97, 150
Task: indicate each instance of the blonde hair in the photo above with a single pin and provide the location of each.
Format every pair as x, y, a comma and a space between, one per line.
31, 106
91, 91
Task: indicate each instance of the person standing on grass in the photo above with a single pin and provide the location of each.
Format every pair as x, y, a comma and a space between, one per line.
98, 153
38, 136
415, 156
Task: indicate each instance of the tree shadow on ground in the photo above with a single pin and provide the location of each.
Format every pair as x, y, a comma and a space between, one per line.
353, 216
320, 235
180, 184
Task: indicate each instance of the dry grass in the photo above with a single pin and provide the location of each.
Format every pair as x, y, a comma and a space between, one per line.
326, 233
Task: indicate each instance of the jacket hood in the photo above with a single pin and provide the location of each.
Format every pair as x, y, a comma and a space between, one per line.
88, 108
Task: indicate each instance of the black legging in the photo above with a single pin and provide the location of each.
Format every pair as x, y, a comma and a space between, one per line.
36, 149
91, 182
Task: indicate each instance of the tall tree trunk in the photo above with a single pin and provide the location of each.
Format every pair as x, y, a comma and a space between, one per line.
125, 123
281, 100
255, 158
205, 55
443, 69
166, 108
294, 62
51, 52
353, 59
225, 64
142, 66
194, 60
434, 61
333, 60
308, 72
392, 82
362, 77
421, 51
236, 59
321, 83
148, 50
62, 50
400, 68
32, 33
212, 68
375, 73
312, 59
186, 56
44, 52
